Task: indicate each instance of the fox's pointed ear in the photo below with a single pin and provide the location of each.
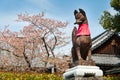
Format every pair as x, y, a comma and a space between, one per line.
75, 12
82, 11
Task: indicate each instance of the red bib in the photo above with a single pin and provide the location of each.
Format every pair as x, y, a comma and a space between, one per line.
83, 29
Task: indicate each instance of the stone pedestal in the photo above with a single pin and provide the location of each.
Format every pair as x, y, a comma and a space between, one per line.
81, 72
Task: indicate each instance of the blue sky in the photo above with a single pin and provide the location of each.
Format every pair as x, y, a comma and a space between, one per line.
56, 9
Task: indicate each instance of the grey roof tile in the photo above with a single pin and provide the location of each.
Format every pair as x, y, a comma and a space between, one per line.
106, 59
100, 39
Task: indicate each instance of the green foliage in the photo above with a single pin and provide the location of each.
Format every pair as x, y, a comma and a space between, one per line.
37, 76
106, 20
115, 4
116, 22
111, 77
111, 22
28, 76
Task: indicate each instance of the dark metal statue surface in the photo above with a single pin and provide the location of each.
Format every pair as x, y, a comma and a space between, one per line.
81, 40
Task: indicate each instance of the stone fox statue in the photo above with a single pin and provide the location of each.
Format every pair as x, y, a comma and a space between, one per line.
81, 38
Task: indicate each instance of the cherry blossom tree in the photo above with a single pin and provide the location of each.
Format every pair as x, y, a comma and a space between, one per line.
38, 39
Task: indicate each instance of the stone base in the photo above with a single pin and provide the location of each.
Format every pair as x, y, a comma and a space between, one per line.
87, 78
79, 72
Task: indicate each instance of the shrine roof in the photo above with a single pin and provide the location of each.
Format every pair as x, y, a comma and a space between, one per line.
106, 59
113, 71
102, 38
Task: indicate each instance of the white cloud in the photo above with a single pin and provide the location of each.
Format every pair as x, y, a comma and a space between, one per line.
112, 11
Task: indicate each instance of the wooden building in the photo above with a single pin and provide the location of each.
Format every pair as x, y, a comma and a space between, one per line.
106, 52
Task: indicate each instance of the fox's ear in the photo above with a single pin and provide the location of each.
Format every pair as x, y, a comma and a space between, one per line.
82, 11
75, 12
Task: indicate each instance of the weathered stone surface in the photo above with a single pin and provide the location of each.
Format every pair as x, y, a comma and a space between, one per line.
80, 72
87, 78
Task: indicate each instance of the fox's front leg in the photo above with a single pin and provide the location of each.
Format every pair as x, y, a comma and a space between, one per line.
79, 55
